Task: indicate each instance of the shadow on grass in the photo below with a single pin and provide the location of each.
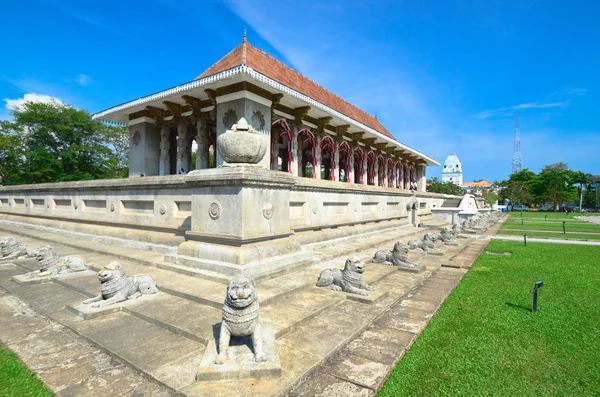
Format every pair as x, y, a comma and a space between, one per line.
517, 306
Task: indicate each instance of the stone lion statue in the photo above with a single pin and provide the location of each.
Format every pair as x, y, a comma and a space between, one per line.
397, 257
10, 249
427, 245
52, 264
241, 318
348, 280
446, 235
115, 287
8, 245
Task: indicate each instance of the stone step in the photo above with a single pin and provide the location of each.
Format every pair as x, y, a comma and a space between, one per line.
290, 312
181, 316
168, 357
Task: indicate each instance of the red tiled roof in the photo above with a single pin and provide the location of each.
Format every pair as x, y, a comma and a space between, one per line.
483, 183
276, 70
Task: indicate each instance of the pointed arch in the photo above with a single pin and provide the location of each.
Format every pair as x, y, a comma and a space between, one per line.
413, 180
281, 145
307, 145
390, 173
380, 171
359, 165
399, 176
328, 158
371, 168
345, 158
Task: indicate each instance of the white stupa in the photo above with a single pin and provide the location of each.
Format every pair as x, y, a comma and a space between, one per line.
452, 171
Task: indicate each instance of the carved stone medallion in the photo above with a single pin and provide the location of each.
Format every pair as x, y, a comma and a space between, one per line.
163, 209
137, 138
258, 121
268, 210
230, 118
112, 207
214, 210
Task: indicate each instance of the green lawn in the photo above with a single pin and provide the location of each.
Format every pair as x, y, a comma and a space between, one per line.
577, 236
485, 340
16, 380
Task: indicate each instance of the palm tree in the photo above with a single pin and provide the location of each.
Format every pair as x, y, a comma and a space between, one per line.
583, 179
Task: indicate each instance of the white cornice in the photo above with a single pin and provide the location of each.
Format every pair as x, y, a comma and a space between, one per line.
244, 95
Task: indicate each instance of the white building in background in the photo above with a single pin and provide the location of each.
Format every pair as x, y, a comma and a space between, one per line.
452, 171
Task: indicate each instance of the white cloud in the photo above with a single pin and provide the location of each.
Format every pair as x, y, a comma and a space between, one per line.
17, 104
84, 79
533, 105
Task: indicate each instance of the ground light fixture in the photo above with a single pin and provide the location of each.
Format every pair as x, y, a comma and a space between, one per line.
538, 284
564, 227
525, 239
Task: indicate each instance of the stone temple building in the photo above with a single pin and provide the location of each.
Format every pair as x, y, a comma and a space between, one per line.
308, 127
452, 171
329, 170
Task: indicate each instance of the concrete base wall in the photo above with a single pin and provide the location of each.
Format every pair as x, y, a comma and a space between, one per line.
234, 216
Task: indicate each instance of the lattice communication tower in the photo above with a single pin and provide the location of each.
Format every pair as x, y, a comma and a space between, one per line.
516, 160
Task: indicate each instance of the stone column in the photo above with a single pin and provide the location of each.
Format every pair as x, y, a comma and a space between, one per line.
182, 149
164, 166
365, 173
335, 157
317, 172
294, 147
385, 173
392, 182
299, 156
376, 172
201, 142
421, 177
350, 167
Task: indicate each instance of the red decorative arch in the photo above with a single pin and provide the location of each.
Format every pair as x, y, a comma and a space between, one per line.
305, 136
390, 173
359, 165
345, 154
399, 174
328, 147
288, 157
371, 168
380, 171
413, 180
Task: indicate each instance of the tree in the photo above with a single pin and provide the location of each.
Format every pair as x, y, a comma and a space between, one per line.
52, 142
489, 196
516, 192
581, 178
554, 185
434, 185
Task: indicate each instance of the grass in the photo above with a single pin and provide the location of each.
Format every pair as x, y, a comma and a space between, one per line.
17, 380
486, 341
573, 236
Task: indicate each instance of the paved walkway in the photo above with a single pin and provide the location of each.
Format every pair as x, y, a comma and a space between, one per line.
546, 231
541, 240
591, 219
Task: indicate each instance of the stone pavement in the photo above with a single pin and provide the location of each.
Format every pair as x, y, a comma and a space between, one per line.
156, 345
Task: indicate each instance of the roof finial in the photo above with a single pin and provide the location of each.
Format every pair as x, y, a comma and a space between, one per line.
376, 114
245, 38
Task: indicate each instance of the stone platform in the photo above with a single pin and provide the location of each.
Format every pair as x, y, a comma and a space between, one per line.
323, 337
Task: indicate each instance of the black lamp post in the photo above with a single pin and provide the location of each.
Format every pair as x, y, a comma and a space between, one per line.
536, 287
525, 239
564, 227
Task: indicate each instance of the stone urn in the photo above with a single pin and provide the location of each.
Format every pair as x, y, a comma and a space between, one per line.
241, 145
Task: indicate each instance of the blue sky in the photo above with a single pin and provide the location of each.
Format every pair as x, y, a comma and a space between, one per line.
442, 76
